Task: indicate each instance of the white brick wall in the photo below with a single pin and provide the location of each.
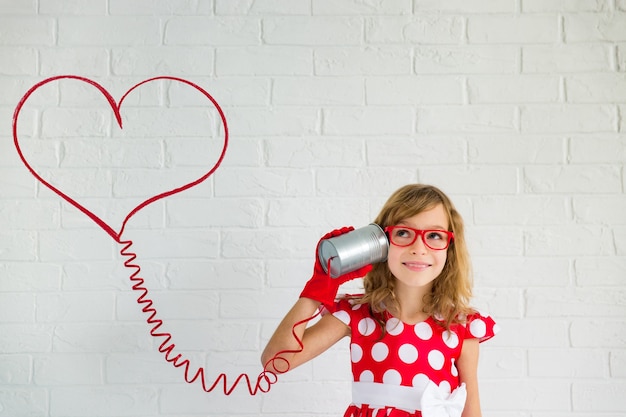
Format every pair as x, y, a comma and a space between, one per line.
516, 108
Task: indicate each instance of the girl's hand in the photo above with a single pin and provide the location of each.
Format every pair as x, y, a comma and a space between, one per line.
321, 287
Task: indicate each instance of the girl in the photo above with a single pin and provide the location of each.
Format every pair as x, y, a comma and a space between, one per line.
414, 338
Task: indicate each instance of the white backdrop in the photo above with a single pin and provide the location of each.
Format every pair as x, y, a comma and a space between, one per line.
515, 108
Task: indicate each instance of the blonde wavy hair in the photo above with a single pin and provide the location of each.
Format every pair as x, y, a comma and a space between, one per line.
451, 292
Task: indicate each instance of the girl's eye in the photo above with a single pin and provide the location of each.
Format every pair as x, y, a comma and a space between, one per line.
403, 233
435, 236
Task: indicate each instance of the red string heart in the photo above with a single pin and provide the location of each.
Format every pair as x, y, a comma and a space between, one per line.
115, 107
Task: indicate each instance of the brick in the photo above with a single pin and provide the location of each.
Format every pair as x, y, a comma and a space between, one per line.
262, 7
316, 30
64, 7
540, 6
277, 121
17, 370
24, 338
287, 152
24, 214
215, 274
599, 396
521, 210
265, 244
18, 246
304, 212
599, 271
24, 401
264, 60
499, 271
498, 362
26, 31
77, 245
423, 150
68, 369
355, 7
160, 7
18, 7
566, 58
597, 148
103, 401
575, 119
592, 179
468, 119
472, 179
109, 31
86, 61
202, 213
350, 182
29, 276
499, 302
581, 240
597, 332
202, 30
90, 337
74, 307
593, 88
368, 121
605, 210
480, 241
18, 61
595, 27
531, 395
180, 60
518, 88
318, 91
461, 6
431, 28
575, 302
509, 29
242, 182
566, 363
355, 61
520, 149
468, 59
414, 90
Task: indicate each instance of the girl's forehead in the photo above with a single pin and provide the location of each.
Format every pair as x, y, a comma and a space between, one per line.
433, 217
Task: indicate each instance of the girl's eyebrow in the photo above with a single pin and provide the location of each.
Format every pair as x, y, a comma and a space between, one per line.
433, 227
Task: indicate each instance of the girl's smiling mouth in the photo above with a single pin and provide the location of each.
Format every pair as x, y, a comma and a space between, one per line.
417, 266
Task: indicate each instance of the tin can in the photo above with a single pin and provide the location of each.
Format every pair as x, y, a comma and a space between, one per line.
353, 250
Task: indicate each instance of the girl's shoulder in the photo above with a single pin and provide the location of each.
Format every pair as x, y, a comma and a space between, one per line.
478, 325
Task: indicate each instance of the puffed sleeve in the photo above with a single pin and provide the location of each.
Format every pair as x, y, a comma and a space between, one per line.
480, 326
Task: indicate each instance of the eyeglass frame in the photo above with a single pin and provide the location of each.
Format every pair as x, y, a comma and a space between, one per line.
419, 232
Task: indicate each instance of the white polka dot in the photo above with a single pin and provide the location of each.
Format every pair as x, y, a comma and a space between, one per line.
394, 326
453, 370
496, 328
445, 386
450, 339
343, 316
366, 326
407, 353
380, 352
420, 381
478, 328
423, 331
356, 352
366, 376
435, 359
392, 377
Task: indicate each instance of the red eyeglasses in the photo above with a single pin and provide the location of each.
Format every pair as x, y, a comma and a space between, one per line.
406, 236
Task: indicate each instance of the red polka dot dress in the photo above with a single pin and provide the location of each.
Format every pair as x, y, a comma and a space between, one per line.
411, 369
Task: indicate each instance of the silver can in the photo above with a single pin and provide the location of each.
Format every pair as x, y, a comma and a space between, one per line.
353, 250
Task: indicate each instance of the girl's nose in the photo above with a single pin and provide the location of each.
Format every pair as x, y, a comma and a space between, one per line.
419, 246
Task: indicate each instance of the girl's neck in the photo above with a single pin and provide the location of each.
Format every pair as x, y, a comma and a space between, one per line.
411, 303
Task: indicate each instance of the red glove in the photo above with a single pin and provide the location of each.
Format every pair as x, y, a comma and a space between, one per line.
321, 287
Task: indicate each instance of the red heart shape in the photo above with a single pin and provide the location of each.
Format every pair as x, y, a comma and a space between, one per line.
116, 106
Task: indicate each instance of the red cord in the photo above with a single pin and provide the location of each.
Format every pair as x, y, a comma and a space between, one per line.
266, 378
